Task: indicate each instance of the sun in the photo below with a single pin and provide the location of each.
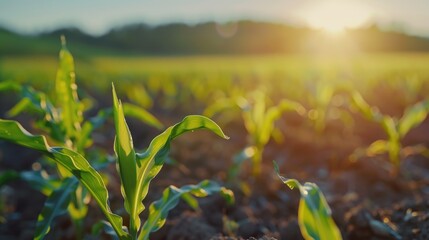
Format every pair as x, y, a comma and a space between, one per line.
335, 16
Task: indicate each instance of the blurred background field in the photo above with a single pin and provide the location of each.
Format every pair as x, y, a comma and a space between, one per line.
234, 65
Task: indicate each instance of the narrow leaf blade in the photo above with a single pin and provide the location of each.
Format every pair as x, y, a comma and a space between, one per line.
314, 214
413, 116
55, 205
141, 114
126, 155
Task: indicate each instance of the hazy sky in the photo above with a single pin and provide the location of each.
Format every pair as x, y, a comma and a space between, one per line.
97, 16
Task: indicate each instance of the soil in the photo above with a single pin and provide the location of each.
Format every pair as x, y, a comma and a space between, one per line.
367, 198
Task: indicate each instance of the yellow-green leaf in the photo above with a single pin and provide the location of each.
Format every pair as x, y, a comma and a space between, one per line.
127, 165
66, 91
314, 214
141, 114
413, 116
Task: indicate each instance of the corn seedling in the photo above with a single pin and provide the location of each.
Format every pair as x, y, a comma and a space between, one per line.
395, 129
136, 171
259, 122
78, 180
325, 106
314, 214
62, 120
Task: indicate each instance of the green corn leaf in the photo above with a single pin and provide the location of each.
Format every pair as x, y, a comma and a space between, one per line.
314, 214
89, 126
368, 112
274, 113
377, 147
141, 114
66, 91
127, 165
389, 125
413, 117
10, 86
151, 161
55, 205
21, 106
219, 106
71, 161
158, 210
35, 101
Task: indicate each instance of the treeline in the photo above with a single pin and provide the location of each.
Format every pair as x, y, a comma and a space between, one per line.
244, 37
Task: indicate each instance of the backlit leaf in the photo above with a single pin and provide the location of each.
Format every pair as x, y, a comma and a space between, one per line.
141, 114
66, 91
127, 165
413, 116
314, 214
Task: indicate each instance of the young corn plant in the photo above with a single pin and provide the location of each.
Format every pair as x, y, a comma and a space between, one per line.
395, 128
63, 122
325, 105
259, 122
136, 170
314, 214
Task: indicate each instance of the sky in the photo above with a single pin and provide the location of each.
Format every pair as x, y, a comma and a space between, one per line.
98, 16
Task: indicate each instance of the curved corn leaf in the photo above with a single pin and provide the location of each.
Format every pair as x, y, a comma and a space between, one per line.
55, 205
71, 161
369, 112
21, 106
126, 163
66, 91
141, 114
377, 147
219, 106
9, 86
274, 113
389, 125
35, 101
314, 214
413, 117
158, 210
150, 162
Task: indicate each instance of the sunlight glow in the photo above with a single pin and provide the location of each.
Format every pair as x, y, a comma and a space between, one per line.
335, 16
